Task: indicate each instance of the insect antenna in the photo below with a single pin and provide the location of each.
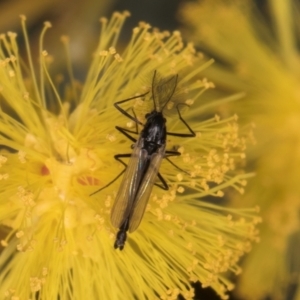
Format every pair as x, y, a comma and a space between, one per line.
153, 94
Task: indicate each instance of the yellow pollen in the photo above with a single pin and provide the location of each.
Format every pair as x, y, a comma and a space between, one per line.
118, 58
220, 194
21, 156
44, 271
129, 124
186, 158
117, 15
144, 25
12, 35
179, 177
112, 50
217, 118
103, 53
189, 102
136, 30
11, 73
4, 243
47, 24
20, 247
103, 20
62, 175
108, 201
65, 39
126, 13
181, 150
180, 189
26, 196
111, 137
35, 284
170, 105
4, 176
167, 217
13, 58
19, 234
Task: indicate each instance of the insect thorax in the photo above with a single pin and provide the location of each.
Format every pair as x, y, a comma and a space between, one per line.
154, 132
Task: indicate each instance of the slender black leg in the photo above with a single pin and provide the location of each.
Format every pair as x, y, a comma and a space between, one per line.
126, 131
118, 158
124, 112
164, 185
174, 153
192, 132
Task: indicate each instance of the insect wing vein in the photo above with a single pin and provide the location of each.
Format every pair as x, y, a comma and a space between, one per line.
163, 89
128, 188
145, 190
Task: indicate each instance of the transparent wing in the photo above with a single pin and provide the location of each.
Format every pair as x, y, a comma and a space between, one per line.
128, 188
145, 190
163, 90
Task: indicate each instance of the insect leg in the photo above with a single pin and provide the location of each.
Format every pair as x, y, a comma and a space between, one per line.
192, 132
164, 185
174, 153
118, 158
124, 112
126, 131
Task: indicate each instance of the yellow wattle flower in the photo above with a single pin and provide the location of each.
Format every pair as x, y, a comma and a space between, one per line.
263, 61
58, 148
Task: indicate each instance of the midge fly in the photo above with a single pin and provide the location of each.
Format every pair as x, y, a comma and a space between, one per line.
144, 163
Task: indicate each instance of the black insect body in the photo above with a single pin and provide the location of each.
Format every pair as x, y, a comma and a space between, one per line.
139, 177
142, 170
